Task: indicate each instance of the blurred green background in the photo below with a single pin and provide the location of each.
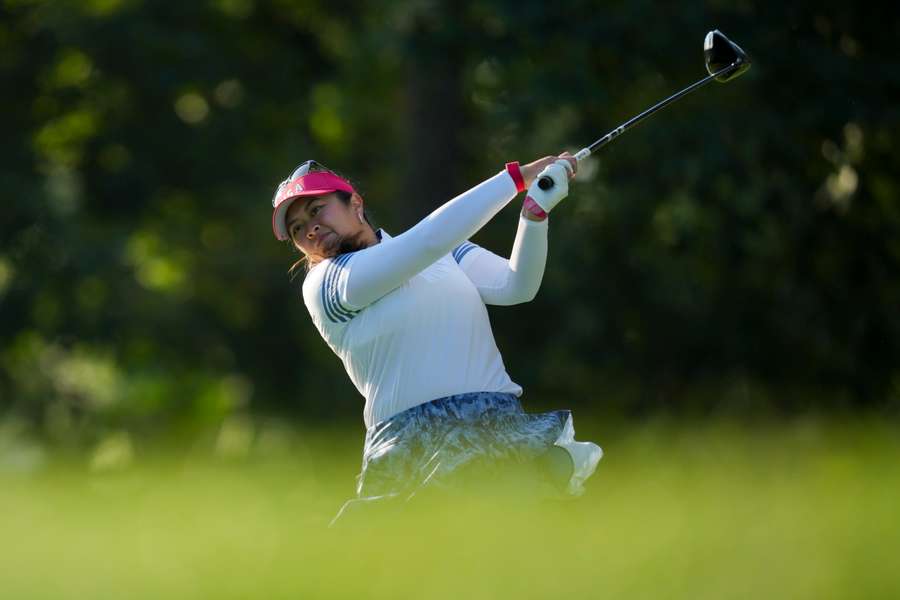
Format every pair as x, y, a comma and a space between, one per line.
731, 266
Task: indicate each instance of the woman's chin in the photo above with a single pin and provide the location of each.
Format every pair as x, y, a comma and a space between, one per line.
334, 245
351, 243
330, 245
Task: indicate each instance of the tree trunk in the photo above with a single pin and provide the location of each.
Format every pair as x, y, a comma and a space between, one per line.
437, 116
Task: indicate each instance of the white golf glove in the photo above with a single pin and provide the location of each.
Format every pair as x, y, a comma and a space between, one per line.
551, 185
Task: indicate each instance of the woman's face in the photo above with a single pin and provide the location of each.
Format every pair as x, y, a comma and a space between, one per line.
319, 225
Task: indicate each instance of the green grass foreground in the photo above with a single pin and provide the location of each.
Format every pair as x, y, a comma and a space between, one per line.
804, 509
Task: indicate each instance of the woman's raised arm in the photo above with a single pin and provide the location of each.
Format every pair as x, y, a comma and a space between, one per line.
379, 269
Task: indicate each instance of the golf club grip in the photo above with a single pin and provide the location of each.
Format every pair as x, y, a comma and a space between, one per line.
545, 183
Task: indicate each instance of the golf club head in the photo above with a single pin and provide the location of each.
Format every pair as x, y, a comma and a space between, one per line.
720, 52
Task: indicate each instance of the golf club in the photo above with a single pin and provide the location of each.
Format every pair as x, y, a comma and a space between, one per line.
725, 61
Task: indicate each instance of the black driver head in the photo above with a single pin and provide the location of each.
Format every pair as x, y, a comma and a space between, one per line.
720, 53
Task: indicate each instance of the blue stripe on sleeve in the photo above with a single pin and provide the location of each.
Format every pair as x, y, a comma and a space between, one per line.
325, 304
334, 309
462, 250
330, 290
336, 304
457, 252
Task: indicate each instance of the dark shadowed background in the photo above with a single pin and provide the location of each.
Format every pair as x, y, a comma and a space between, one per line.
738, 253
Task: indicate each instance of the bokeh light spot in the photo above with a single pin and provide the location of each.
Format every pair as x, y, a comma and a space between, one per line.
114, 157
73, 69
192, 108
324, 121
236, 9
61, 140
7, 272
229, 93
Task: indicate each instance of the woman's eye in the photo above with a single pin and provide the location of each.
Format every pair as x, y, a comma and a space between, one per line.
315, 209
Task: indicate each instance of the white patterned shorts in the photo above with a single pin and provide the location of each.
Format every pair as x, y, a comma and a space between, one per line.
437, 444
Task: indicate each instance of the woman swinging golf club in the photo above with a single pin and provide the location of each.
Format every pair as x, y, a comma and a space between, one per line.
407, 317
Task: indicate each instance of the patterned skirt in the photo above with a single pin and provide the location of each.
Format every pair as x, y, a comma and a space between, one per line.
450, 442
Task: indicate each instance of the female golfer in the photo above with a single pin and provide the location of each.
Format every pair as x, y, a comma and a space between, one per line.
407, 317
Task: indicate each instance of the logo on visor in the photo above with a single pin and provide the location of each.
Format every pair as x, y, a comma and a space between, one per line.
298, 188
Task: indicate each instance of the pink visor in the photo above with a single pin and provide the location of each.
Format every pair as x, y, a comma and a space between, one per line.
318, 183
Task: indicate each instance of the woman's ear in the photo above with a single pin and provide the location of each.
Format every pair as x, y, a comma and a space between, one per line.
356, 204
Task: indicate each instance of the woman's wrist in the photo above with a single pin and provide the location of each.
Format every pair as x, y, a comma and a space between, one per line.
531, 210
516, 173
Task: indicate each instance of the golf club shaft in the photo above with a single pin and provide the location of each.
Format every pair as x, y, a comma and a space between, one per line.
584, 153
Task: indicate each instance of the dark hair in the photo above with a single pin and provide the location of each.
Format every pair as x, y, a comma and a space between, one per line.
304, 260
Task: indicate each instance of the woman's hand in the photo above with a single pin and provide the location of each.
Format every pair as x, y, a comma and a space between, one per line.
531, 170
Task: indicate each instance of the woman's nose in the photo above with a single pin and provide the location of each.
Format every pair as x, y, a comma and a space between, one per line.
313, 232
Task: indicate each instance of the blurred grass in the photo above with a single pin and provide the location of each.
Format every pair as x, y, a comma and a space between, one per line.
800, 509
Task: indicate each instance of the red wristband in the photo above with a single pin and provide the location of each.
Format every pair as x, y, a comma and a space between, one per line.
513, 169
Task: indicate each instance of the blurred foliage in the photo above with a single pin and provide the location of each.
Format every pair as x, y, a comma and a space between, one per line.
737, 252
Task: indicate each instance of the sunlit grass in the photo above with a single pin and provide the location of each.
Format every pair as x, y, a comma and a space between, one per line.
790, 510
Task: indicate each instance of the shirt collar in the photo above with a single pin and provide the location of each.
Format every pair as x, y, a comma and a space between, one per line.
381, 234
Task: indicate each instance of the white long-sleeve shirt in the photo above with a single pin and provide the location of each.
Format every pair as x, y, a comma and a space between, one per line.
407, 316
